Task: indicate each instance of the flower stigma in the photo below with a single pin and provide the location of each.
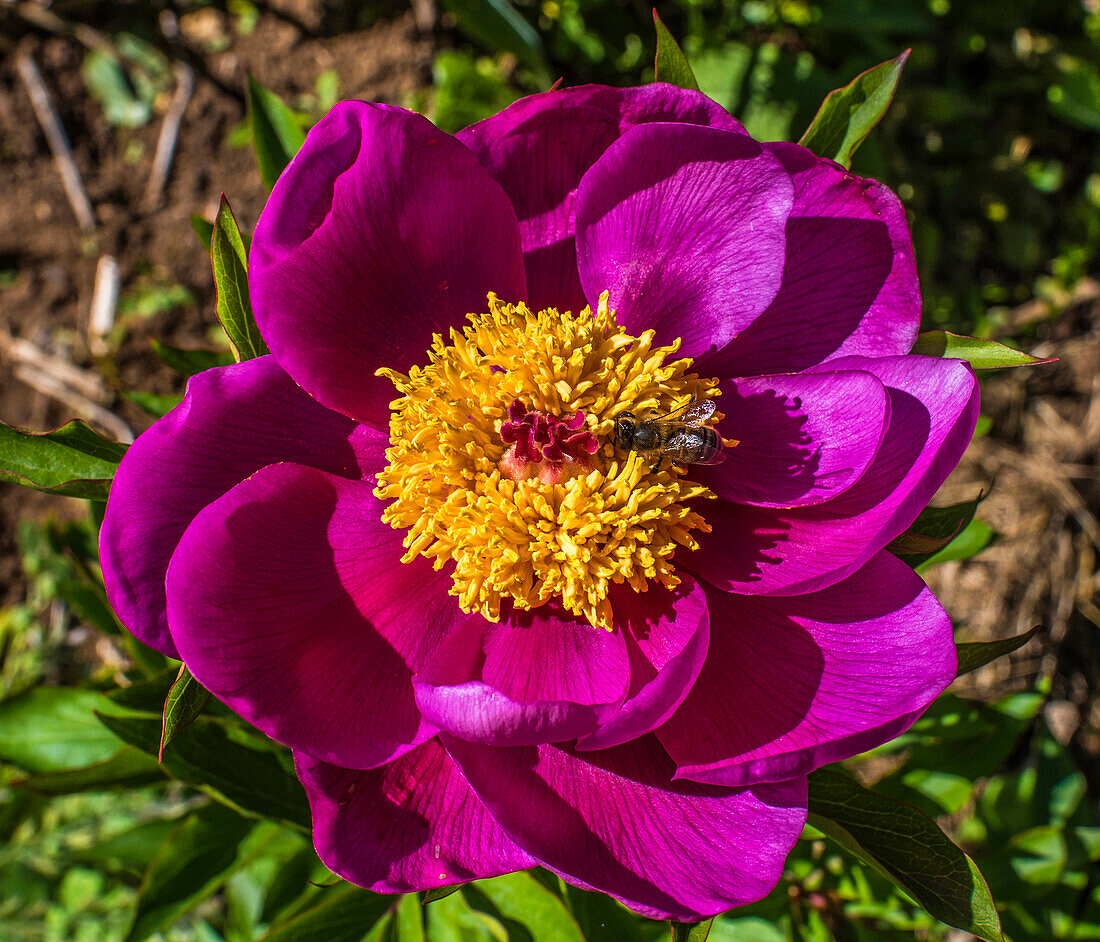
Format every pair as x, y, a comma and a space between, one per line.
501, 461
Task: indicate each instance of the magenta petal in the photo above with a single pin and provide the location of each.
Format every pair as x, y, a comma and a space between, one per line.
767, 551
794, 683
412, 825
535, 677
802, 438
287, 600
666, 634
380, 232
850, 282
684, 225
614, 821
232, 422
539, 148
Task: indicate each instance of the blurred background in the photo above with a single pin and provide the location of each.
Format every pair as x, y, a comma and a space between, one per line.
993, 145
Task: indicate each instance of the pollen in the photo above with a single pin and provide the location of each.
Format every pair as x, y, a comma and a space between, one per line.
502, 461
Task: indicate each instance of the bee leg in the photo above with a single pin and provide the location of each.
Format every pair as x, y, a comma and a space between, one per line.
657, 467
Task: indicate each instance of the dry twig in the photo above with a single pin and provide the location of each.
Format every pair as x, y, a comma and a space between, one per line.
169, 133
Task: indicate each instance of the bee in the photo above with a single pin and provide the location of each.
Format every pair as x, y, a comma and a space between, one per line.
681, 435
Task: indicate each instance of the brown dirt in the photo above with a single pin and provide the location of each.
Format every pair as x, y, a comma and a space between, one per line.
47, 301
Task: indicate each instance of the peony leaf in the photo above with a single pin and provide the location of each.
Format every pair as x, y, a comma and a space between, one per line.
601, 919
849, 114
207, 756
196, 859
975, 537
203, 228
276, 134
127, 768
408, 920
441, 892
234, 308
498, 25
520, 898
691, 931
344, 914
670, 64
908, 848
932, 531
51, 729
71, 460
975, 654
184, 703
153, 403
980, 354
189, 362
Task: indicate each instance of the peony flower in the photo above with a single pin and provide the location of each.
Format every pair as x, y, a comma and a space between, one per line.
407, 545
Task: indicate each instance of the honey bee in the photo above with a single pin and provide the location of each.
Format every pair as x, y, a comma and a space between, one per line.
680, 435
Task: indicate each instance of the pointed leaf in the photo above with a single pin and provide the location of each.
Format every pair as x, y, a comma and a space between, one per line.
849, 114
601, 919
440, 892
670, 64
230, 260
344, 914
520, 898
276, 134
184, 702
933, 530
51, 729
980, 354
975, 537
691, 931
498, 25
207, 756
975, 654
127, 768
197, 858
72, 460
189, 362
908, 848
203, 228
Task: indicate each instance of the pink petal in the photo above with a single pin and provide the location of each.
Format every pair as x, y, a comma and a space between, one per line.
380, 232
287, 600
411, 825
232, 422
539, 148
794, 683
614, 821
684, 225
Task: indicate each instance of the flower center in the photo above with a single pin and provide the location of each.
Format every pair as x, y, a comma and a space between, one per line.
502, 461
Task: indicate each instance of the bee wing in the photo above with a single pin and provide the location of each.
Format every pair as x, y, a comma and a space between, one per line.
675, 442
697, 413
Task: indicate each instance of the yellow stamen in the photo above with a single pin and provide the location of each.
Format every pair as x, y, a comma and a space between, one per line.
616, 519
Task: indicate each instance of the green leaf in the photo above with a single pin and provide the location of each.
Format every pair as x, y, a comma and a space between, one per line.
127, 768
980, 354
932, 531
51, 729
276, 134
234, 308
183, 704
975, 654
197, 858
976, 536
520, 898
344, 914
71, 460
408, 920
207, 756
203, 228
908, 848
189, 362
670, 64
600, 918
691, 931
848, 114
500, 27
108, 82
441, 892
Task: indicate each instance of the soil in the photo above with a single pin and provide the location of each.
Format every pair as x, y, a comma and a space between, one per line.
1039, 461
